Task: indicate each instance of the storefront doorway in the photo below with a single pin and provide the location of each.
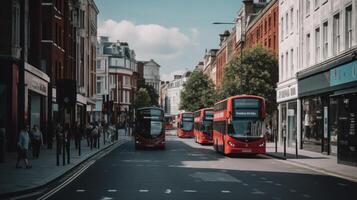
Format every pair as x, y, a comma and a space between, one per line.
343, 128
291, 126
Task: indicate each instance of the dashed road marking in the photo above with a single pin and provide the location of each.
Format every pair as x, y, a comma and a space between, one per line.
306, 196
190, 191
167, 191
292, 190
112, 190
225, 191
80, 190
342, 184
143, 190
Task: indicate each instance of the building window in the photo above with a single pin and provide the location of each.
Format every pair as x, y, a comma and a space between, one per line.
307, 7
16, 24
316, 4
325, 40
99, 88
282, 29
336, 34
292, 62
307, 49
317, 45
286, 63
282, 67
291, 20
286, 23
349, 27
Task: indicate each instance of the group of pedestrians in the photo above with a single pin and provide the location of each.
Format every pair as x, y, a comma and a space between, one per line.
33, 139
26, 140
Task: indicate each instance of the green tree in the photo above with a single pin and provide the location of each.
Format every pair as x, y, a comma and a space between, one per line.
154, 97
198, 92
256, 73
142, 99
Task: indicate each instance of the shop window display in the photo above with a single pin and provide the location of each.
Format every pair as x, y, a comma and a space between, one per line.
312, 119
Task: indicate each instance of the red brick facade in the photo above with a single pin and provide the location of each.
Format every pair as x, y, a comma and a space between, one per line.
264, 29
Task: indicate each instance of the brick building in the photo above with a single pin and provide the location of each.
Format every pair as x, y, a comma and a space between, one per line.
263, 29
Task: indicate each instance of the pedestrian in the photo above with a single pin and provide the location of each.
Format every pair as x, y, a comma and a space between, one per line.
77, 134
94, 135
22, 147
59, 137
37, 141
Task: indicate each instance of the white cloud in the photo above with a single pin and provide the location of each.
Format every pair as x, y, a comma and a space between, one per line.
149, 40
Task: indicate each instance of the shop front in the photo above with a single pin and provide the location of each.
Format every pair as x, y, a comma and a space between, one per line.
288, 113
329, 109
36, 92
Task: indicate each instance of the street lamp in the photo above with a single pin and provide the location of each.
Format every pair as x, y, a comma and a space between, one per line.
223, 23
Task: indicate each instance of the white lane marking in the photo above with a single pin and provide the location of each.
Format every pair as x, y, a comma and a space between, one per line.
106, 198
80, 190
112, 190
226, 191
277, 184
167, 191
342, 184
143, 190
292, 190
68, 181
190, 191
256, 191
245, 184
306, 196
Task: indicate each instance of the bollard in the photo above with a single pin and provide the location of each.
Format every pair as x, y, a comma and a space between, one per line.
68, 150
79, 146
285, 147
63, 152
57, 151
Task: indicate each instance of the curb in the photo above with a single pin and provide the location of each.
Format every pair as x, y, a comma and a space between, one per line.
275, 156
313, 168
69, 171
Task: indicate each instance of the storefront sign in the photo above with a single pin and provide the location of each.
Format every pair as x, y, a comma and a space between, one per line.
343, 74
287, 93
36, 84
291, 112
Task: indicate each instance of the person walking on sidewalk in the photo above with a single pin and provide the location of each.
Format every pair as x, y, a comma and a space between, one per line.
59, 137
22, 147
37, 141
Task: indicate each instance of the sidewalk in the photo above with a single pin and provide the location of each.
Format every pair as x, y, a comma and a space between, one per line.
326, 164
44, 169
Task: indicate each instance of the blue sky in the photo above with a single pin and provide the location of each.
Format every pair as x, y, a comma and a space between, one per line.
175, 33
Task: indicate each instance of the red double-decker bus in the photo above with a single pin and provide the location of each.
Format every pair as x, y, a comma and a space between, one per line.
238, 125
185, 125
149, 128
203, 126
169, 121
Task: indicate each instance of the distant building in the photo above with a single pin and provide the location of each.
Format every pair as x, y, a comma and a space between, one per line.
172, 96
116, 80
209, 64
151, 74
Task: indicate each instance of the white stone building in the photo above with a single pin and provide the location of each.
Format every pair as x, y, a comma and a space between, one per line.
174, 88
318, 51
115, 78
289, 63
152, 74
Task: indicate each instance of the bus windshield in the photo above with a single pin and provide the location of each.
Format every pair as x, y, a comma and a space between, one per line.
187, 124
208, 126
150, 127
246, 128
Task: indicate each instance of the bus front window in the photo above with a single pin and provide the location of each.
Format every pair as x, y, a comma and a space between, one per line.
150, 128
246, 128
187, 125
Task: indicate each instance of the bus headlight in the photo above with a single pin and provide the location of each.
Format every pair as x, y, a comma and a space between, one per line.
231, 144
262, 145
137, 142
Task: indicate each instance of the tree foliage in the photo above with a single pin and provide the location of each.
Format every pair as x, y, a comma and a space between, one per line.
142, 99
154, 97
256, 73
198, 92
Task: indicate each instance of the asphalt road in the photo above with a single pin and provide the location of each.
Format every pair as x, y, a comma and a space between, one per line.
186, 170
